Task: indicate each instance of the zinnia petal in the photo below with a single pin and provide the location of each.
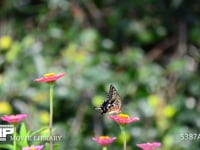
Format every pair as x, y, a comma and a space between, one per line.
14, 118
124, 119
39, 147
50, 77
149, 146
104, 140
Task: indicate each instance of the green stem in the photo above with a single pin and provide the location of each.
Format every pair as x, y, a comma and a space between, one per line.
122, 127
14, 137
51, 114
104, 148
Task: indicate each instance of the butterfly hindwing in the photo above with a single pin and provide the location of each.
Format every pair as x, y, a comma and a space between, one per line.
113, 103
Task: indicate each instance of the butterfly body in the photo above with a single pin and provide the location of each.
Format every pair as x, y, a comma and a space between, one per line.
113, 104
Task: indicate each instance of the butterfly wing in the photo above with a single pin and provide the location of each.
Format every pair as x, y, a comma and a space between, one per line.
113, 103
114, 100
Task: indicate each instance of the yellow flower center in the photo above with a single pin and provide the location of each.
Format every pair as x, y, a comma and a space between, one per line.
49, 74
123, 116
32, 148
104, 137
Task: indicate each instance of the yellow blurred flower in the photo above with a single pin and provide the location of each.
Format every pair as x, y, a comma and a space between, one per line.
5, 42
162, 124
97, 100
44, 117
5, 108
153, 100
168, 141
169, 111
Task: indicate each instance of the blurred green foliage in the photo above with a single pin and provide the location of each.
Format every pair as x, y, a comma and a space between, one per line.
148, 49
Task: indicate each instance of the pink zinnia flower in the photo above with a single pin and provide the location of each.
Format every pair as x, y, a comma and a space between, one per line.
39, 147
14, 118
50, 77
149, 146
104, 140
123, 119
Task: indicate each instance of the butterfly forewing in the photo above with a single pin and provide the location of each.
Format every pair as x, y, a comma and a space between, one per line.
113, 103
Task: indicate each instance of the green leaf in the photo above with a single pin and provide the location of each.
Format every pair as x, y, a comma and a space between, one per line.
38, 131
56, 146
47, 146
24, 134
7, 146
23, 131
